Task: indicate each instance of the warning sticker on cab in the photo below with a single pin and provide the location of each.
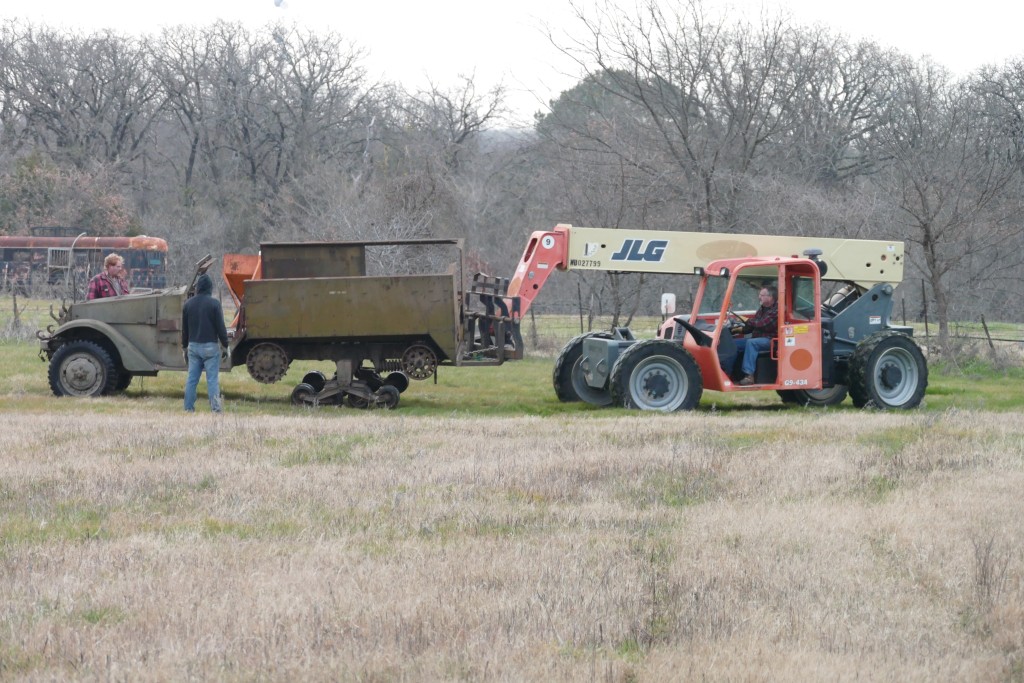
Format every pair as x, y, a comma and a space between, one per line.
874, 320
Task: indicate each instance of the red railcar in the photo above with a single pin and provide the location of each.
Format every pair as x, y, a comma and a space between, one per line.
36, 259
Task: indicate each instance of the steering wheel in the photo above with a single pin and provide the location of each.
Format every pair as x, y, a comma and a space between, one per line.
733, 314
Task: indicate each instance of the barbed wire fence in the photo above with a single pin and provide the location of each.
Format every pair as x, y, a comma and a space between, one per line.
546, 328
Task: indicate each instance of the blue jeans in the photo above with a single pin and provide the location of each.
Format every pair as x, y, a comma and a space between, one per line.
749, 348
203, 356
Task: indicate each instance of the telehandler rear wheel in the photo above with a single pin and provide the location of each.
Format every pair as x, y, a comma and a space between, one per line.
656, 374
569, 382
888, 370
832, 396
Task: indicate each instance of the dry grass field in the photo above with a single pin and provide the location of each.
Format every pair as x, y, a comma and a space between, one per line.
753, 545
484, 531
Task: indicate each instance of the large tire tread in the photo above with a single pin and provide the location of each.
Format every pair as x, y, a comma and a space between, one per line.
106, 379
643, 357
864, 390
561, 377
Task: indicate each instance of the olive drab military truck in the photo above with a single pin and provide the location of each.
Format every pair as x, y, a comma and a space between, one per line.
823, 348
381, 311
342, 302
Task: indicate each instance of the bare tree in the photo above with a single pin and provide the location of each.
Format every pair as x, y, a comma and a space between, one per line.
85, 99
451, 117
847, 90
952, 175
710, 97
182, 60
259, 112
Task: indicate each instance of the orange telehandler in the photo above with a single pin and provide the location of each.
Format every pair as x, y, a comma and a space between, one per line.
820, 352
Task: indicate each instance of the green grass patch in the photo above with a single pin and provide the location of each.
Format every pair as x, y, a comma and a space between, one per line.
674, 490
322, 450
65, 521
103, 615
16, 661
515, 388
267, 527
880, 486
890, 442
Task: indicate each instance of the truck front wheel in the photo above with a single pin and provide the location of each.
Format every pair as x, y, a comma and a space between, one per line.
81, 368
656, 374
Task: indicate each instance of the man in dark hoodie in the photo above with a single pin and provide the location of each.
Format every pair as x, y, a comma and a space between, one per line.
203, 336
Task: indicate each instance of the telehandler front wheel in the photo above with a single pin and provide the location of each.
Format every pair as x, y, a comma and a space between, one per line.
567, 378
888, 370
656, 374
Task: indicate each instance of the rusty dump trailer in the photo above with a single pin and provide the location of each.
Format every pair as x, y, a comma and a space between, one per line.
382, 312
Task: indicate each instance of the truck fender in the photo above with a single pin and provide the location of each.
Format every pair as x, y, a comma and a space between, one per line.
132, 359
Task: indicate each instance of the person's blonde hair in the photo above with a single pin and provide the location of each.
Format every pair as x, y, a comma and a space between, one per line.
112, 260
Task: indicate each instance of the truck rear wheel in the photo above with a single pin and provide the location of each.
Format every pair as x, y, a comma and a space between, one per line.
567, 378
81, 368
888, 370
832, 396
656, 374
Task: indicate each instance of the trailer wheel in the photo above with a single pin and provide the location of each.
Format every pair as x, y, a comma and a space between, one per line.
81, 368
387, 397
569, 382
656, 374
315, 379
888, 370
304, 395
832, 396
357, 402
398, 380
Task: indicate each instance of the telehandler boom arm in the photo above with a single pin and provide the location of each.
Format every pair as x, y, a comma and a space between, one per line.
863, 262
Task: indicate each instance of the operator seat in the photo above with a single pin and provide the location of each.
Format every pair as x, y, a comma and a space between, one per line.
727, 352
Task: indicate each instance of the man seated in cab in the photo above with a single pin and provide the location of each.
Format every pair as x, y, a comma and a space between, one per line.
761, 327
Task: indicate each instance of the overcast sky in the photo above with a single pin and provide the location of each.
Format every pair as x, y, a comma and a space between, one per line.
410, 41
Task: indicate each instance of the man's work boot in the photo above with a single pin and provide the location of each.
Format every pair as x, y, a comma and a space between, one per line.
747, 381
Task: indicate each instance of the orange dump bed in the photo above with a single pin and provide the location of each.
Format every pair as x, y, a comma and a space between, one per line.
237, 269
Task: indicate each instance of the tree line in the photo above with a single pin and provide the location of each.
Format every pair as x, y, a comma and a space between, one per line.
220, 137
